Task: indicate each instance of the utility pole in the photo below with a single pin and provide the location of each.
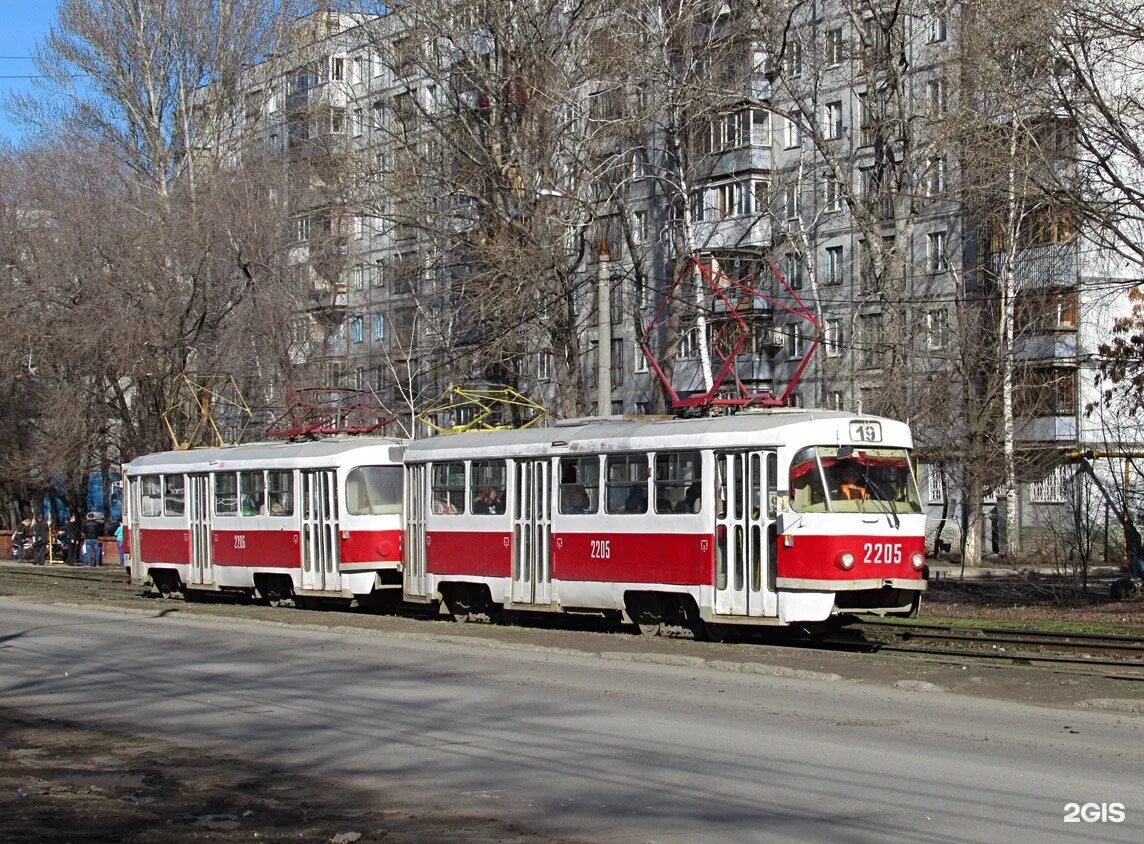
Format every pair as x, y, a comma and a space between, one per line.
603, 333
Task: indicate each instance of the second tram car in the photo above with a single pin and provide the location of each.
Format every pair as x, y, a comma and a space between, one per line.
280, 521
763, 517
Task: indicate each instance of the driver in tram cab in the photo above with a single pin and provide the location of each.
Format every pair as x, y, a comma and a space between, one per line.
851, 488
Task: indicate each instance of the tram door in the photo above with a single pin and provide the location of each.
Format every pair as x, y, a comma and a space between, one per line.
416, 494
321, 569
134, 495
744, 533
532, 533
198, 521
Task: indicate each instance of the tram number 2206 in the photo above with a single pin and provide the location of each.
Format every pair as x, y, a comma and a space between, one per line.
879, 553
601, 549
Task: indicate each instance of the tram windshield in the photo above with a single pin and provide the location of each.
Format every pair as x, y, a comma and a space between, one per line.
845, 479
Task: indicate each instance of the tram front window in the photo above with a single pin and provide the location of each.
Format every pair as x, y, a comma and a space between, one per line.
851, 480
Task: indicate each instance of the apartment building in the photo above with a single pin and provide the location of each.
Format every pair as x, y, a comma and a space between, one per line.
832, 159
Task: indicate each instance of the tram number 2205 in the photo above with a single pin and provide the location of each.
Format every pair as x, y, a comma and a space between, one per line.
601, 549
879, 553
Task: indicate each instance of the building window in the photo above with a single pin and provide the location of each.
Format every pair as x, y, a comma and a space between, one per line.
792, 61
937, 27
356, 328
937, 329
792, 270
358, 122
832, 338
793, 134
832, 121
760, 128
833, 46
936, 252
337, 121
1053, 488
617, 361
832, 194
935, 177
935, 96
639, 359
835, 399
794, 341
378, 327
870, 326
1046, 391
358, 277
639, 227
935, 484
544, 366
688, 343
301, 229
338, 69
833, 268
790, 202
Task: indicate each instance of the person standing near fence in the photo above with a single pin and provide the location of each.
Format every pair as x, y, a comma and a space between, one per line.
92, 528
39, 540
73, 538
119, 543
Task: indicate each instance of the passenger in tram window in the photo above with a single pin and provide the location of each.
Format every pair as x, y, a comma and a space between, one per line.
851, 488
691, 502
636, 502
488, 503
442, 507
573, 499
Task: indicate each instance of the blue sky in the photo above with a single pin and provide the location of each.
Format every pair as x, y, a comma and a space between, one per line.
22, 24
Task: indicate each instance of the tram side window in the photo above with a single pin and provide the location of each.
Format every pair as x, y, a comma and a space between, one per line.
226, 494
579, 485
808, 495
373, 491
173, 498
151, 498
448, 488
487, 489
252, 489
280, 492
627, 483
678, 482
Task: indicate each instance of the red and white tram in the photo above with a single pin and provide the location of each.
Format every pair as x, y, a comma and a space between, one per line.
278, 520
763, 517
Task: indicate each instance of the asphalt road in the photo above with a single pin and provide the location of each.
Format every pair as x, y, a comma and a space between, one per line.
603, 747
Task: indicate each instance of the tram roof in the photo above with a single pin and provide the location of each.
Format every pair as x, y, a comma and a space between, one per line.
303, 452
650, 432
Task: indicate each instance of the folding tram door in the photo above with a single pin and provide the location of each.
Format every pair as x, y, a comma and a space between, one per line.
416, 498
321, 566
745, 533
199, 523
532, 533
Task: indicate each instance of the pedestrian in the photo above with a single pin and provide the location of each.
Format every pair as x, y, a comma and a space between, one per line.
73, 539
92, 529
39, 540
18, 537
119, 543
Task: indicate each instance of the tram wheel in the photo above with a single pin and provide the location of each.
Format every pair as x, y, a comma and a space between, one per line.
649, 622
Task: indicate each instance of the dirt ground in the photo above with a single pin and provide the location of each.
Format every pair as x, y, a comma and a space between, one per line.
82, 783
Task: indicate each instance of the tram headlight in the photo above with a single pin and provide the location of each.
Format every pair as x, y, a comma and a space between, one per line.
845, 561
918, 560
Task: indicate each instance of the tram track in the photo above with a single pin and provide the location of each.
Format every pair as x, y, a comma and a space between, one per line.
1102, 653
1099, 650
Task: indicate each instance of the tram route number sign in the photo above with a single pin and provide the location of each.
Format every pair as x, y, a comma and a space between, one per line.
866, 431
